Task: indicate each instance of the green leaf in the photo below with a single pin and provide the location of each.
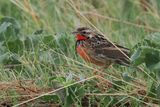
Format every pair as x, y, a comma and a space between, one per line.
148, 52
58, 82
145, 54
4, 26
157, 66
2, 47
15, 46
74, 94
11, 20
7, 57
158, 92
9, 29
32, 41
4, 57
50, 98
137, 58
158, 74
126, 77
48, 57
63, 42
153, 40
151, 59
49, 41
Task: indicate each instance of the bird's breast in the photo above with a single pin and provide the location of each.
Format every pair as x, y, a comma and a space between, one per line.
83, 52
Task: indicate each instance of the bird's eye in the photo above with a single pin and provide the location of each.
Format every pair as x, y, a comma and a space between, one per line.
84, 32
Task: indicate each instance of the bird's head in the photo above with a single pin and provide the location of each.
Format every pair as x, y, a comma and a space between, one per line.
83, 33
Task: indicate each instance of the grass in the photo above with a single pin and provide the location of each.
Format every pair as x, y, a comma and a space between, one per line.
42, 69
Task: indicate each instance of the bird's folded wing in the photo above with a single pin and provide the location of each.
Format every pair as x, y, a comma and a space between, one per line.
112, 53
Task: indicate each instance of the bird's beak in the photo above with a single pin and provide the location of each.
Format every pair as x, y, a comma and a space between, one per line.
75, 32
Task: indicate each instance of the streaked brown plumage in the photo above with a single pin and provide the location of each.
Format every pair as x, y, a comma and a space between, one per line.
95, 48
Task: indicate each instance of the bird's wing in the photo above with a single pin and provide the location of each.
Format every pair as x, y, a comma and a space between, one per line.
103, 50
113, 53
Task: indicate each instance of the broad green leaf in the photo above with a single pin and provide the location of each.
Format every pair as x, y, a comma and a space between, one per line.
32, 41
15, 46
11, 20
157, 66
4, 26
158, 92
156, 69
2, 47
148, 52
158, 74
137, 58
153, 40
4, 57
9, 29
151, 59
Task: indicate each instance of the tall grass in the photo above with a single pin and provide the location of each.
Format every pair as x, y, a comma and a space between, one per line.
46, 61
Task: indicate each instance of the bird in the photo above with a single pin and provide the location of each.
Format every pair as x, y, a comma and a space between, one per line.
94, 48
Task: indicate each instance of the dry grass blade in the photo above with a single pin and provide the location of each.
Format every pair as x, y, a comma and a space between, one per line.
121, 21
53, 91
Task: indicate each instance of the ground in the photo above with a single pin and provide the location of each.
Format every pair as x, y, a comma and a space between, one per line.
39, 66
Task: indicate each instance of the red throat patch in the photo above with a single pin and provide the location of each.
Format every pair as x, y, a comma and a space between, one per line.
81, 37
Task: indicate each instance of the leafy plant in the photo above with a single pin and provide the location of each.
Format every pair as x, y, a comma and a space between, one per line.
36, 46
148, 52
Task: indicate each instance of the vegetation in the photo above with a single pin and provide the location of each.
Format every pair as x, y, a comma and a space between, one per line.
39, 66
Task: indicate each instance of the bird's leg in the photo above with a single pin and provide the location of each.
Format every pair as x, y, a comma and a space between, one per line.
102, 82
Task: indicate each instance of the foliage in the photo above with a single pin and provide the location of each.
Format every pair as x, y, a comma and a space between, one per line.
36, 45
148, 52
